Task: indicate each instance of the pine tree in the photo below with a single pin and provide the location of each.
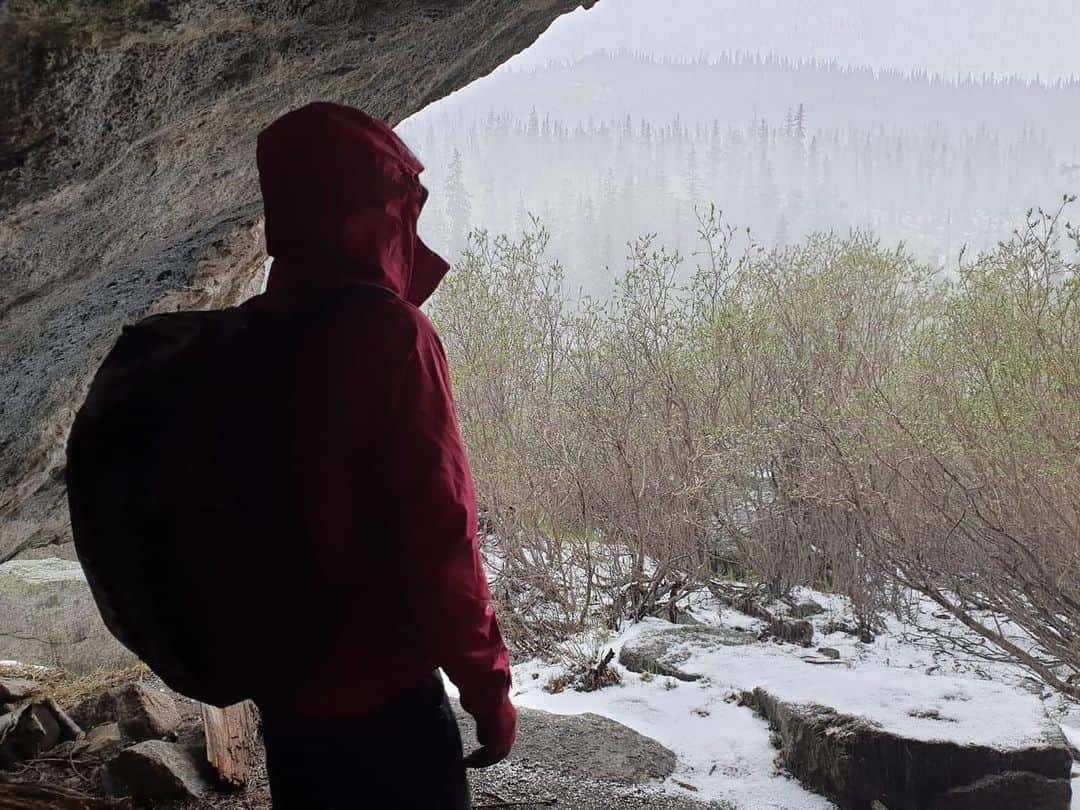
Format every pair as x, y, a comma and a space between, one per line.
458, 206
695, 187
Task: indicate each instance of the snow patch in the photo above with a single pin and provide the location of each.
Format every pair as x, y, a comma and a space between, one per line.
901, 681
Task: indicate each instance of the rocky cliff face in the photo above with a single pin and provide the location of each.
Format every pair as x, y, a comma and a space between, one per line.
127, 176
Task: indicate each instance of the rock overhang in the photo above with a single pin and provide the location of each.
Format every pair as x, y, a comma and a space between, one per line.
127, 174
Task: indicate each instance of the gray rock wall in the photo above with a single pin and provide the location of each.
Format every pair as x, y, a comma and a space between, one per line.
127, 176
48, 617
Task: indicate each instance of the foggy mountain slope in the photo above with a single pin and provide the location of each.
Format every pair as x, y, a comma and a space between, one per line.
1031, 38
735, 88
613, 147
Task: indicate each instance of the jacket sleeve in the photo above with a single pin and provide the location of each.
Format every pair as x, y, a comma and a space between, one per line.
436, 522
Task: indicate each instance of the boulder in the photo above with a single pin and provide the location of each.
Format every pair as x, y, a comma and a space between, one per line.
583, 746
793, 631
12, 690
141, 713
145, 713
48, 616
156, 771
858, 763
805, 609
100, 742
127, 172
664, 650
27, 733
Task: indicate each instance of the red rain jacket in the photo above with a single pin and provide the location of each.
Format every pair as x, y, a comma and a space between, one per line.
380, 475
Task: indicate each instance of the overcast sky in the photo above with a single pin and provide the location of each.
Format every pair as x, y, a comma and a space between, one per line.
1028, 37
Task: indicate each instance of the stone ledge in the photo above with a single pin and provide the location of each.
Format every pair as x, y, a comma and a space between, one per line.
858, 763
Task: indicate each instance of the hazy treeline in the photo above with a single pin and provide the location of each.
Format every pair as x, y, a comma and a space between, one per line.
783, 148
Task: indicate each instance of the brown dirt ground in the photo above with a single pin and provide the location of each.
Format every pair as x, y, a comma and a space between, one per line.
516, 785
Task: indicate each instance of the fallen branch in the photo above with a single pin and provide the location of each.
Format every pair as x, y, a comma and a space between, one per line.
38, 797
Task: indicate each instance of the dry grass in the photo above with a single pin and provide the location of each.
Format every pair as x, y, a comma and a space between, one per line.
69, 689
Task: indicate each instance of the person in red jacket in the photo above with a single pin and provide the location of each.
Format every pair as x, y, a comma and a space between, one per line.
381, 481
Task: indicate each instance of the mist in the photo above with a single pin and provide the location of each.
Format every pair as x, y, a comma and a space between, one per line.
956, 38
606, 148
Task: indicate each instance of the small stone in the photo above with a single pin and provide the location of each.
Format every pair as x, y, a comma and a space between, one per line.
12, 690
27, 733
156, 771
829, 652
103, 741
804, 610
799, 632
143, 713
93, 711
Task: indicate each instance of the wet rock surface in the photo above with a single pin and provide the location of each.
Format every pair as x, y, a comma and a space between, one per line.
858, 763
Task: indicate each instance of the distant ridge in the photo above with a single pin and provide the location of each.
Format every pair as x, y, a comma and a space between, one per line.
738, 57
738, 87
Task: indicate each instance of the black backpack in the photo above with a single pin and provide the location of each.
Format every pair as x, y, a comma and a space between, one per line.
177, 484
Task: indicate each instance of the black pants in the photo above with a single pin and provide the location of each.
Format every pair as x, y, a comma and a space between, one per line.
408, 756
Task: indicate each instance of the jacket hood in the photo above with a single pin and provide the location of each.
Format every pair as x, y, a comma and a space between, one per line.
342, 196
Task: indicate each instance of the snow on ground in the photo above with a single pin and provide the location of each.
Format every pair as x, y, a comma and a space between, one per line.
900, 681
1072, 734
723, 750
